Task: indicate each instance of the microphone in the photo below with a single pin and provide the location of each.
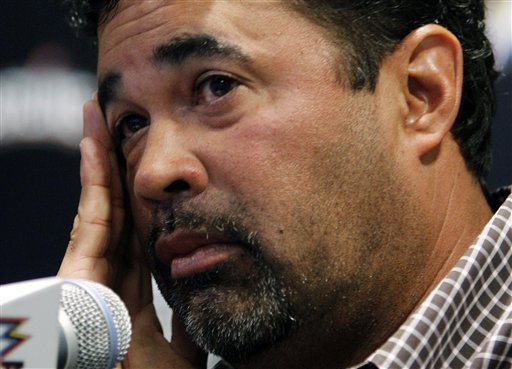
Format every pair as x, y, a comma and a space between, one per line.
62, 324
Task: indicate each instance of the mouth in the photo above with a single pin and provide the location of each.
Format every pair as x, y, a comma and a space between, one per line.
187, 252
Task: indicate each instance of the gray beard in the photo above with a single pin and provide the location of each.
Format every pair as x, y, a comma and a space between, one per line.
231, 310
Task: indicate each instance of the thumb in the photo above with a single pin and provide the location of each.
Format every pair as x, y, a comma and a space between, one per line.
182, 344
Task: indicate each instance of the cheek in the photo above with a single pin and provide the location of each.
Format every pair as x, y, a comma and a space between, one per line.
132, 152
271, 148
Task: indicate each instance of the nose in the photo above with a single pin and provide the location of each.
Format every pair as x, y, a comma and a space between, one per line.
168, 169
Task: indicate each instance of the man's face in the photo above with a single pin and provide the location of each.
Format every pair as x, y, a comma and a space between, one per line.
262, 185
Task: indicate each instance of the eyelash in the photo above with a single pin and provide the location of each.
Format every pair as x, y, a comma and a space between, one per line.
227, 81
126, 126
122, 125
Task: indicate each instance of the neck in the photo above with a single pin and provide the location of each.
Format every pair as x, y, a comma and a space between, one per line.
461, 217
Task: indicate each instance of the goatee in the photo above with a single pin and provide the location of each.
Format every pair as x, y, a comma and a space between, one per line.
235, 309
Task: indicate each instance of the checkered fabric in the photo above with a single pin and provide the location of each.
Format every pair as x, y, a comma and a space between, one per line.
466, 322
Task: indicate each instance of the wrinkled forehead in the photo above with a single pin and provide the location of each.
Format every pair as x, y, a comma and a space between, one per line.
144, 21
147, 21
130, 17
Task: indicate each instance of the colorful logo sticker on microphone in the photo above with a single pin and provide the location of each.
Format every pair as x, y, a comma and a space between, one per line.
10, 339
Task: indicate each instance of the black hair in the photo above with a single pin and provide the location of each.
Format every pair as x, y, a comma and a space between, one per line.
373, 29
84, 16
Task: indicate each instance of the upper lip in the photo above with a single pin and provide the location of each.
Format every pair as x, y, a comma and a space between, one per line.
182, 242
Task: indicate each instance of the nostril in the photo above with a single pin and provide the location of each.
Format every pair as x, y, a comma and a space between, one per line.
177, 186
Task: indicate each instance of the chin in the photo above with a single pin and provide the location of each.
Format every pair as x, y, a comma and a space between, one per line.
233, 311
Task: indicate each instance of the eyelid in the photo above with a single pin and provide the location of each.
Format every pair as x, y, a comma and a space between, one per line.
213, 73
119, 127
121, 109
114, 127
208, 77
118, 120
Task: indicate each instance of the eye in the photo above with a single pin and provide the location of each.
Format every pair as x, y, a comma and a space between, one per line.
214, 87
129, 124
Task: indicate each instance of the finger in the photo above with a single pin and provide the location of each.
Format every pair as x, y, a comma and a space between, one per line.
96, 127
184, 347
85, 255
91, 234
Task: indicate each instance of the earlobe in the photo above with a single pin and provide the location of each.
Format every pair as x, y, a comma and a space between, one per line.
434, 86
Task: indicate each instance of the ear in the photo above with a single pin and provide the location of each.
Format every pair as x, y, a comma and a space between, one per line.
432, 88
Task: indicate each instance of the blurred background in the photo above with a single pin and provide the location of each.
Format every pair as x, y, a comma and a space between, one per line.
46, 74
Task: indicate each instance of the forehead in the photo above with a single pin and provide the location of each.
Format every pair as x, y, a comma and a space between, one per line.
138, 27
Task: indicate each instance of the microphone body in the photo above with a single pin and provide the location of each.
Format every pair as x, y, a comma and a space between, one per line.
62, 324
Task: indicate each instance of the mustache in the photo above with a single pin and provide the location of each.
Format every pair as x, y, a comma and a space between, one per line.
228, 226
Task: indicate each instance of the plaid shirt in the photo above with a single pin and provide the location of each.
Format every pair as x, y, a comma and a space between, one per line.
466, 322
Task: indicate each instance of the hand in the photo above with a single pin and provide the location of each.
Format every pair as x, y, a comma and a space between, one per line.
103, 248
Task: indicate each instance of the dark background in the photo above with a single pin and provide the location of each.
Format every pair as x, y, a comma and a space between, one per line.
39, 186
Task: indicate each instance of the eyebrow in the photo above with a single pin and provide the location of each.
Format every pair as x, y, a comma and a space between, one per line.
177, 50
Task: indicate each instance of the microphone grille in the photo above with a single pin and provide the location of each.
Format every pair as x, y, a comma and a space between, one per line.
100, 321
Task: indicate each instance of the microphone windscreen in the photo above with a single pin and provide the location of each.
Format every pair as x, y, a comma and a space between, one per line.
100, 322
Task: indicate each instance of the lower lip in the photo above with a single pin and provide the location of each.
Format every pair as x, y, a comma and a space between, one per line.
202, 259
